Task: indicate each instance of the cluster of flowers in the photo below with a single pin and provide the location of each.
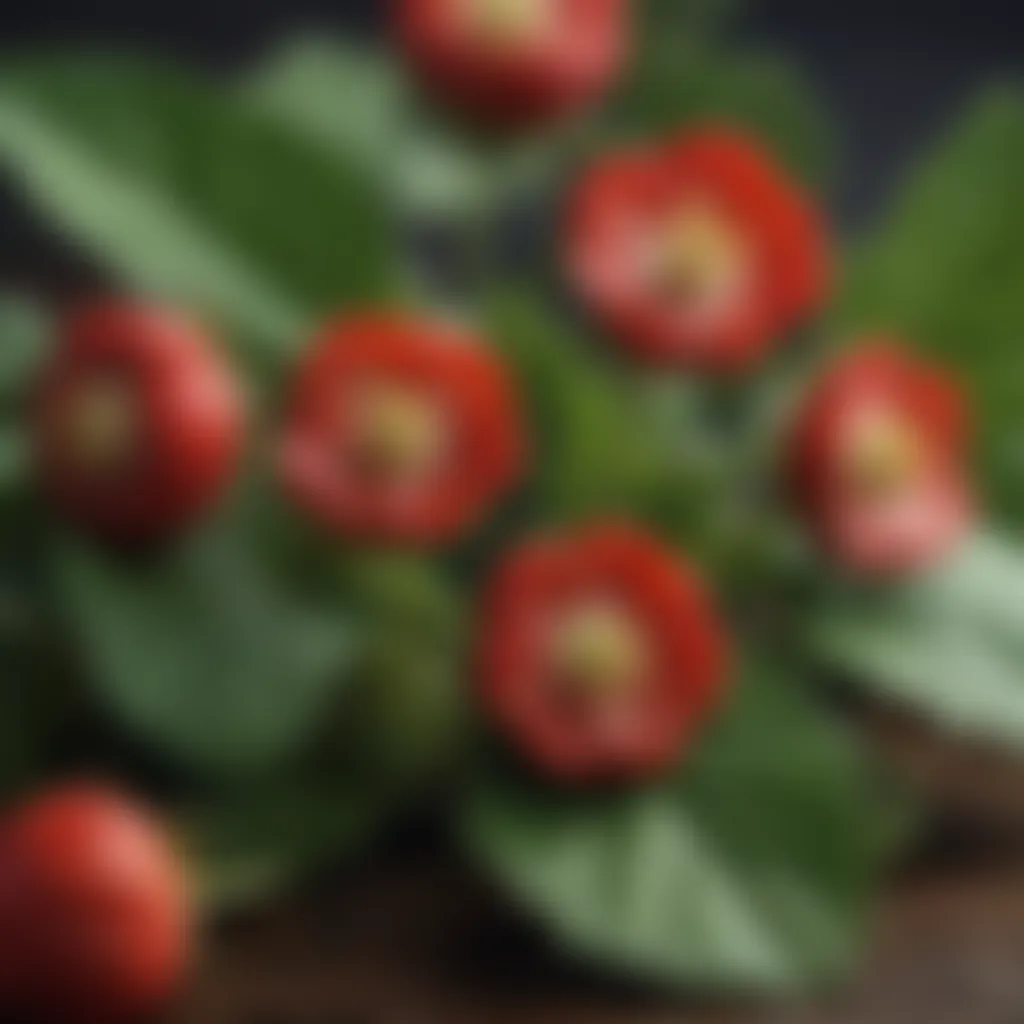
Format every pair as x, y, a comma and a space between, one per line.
599, 647
600, 651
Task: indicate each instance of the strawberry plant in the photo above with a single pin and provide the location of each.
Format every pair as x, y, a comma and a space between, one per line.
566, 533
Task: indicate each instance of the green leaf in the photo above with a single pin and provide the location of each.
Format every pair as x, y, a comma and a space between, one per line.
28, 730
39, 701
426, 166
678, 22
609, 440
35, 705
180, 190
249, 845
748, 869
596, 449
404, 717
15, 459
691, 459
947, 644
398, 725
24, 343
202, 653
682, 83
944, 270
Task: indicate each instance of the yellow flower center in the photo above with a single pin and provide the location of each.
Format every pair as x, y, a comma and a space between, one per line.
399, 433
701, 259
884, 454
599, 651
102, 425
504, 24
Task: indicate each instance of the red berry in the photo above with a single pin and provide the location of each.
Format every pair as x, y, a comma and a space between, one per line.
94, 919
400, 430
696, 252
514, 63
601, 654
140, 421
878, 460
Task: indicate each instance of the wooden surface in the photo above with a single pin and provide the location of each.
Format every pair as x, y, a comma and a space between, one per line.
411, 939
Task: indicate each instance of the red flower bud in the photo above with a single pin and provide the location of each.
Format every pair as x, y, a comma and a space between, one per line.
514, 63
698, 252
140, 422
400, 430
878, 460
94, 919
601, 654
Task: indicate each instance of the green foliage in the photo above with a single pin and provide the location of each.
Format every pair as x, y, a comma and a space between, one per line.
389, 738
179, 190
24, 342
36, 706
682, 76
749, 868
432, 168
944, 270
691, 459
385, 735
595, 449
404, 718
24, 338
249, 844
679, 22
201, 653
946, 644
428, 167
681, 83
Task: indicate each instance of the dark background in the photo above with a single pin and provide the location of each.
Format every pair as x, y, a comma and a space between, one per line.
891, 71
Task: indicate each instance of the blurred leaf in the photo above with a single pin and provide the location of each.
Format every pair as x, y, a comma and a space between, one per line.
947, 644
681, 84
15, 458
609, 440
402, 591
945, 271
203, 655
311, 78
36, 689
681, 21
34, 705
180, 190
29, 720
24, 339
428, 167
310, 82
595, 448
24, 342
249, 845
404, 715
748, 869
398, 724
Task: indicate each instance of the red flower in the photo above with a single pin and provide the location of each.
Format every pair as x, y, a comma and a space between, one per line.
514, 63
601, 654
878, 460
94, 919
697, 252
140, 421
400, 430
